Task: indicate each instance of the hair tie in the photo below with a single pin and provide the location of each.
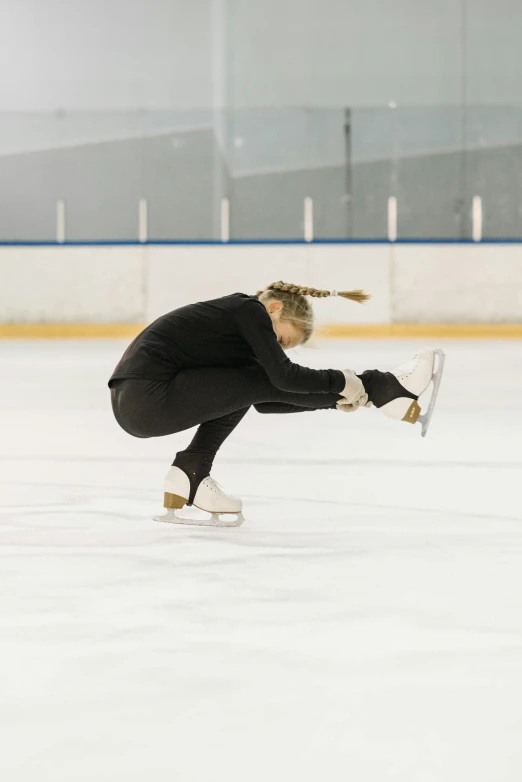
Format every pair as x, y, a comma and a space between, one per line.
334, 293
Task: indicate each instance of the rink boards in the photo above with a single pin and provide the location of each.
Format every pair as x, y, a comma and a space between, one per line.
446, 290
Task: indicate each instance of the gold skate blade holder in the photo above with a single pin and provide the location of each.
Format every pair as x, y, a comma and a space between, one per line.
173, 501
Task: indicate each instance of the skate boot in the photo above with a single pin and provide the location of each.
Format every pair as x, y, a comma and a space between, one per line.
415, 377
224, 510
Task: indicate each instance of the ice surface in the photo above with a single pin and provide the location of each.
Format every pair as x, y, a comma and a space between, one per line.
363, 625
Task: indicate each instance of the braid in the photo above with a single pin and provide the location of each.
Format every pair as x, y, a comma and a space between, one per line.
287, 287
301, 290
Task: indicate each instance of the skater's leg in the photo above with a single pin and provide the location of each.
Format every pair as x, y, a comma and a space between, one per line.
396, 393
382, 386
154, 408
216, 399
379, 386
196, 460
269, 408
414, 378
212, 393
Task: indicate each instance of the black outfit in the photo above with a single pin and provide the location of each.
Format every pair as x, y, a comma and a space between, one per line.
226, 332
206, 364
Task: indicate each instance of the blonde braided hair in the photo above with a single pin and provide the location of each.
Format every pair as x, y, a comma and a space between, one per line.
296, 308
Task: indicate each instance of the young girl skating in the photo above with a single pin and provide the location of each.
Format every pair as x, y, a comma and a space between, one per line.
206, 364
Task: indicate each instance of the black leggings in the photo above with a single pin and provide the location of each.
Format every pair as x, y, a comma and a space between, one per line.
217, 399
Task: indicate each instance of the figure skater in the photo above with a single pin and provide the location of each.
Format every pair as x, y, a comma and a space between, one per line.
206, 364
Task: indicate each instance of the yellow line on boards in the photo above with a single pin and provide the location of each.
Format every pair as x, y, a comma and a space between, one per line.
334, 331
70, 330
423, 331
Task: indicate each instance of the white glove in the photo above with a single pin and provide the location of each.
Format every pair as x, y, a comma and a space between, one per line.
351, 408
353, 389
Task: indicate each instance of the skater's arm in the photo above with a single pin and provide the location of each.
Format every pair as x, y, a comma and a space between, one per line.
255, 325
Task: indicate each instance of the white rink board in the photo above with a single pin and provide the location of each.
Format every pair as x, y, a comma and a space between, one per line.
132, 284
71, 284
181, 274
457, 283
365, 623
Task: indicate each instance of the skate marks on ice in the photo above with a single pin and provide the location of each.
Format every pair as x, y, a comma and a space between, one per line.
267, 461
365, 623
77, 514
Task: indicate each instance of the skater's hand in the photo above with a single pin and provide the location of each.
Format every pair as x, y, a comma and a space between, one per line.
353, 389
346, 407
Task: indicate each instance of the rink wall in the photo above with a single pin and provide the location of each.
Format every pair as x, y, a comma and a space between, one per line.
112, 290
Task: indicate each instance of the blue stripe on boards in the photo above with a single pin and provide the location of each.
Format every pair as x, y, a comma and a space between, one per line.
243, 242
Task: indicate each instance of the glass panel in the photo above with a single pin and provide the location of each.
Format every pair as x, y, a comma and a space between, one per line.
277, 159
494, 168
267, 162
371, 155
427, 173
101, 164
29, 179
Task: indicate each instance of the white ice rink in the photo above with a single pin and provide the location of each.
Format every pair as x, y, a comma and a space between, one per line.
364, 625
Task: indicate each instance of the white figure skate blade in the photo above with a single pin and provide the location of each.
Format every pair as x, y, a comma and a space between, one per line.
437, 377
194, 520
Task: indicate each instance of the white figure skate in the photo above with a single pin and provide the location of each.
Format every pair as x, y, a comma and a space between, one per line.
224, 510
416, 376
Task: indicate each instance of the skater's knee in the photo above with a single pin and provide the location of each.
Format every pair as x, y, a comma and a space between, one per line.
134, 429
267, 408
263, 407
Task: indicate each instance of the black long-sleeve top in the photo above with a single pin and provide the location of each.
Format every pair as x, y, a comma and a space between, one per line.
225, 332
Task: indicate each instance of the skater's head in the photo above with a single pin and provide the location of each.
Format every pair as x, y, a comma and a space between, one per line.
289, 332
291, 311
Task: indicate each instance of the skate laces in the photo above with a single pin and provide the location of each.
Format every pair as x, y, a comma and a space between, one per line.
407, 368
217, 486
